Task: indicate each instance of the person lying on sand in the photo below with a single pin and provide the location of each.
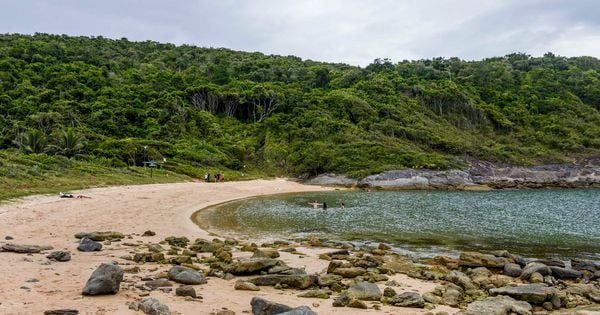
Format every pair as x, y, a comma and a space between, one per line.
63, 195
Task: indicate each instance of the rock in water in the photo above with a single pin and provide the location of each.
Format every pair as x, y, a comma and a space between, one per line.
186, 275
59, 256
153, 306
62, 312
408, 299
104, 280
87, 245
498, 305
366, 291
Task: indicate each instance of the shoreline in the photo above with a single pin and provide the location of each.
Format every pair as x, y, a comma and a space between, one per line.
34, 284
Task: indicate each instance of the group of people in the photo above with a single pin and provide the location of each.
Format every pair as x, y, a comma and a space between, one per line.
316, 204
218, 177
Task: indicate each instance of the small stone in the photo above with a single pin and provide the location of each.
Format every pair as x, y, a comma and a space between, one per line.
389, 292
33, 280
319, 294
149, 233
158, 283
88, 245
186, 291
225, 312
62, 312
153, 306
536, 277
246, 286
59, 256
8, 238
357, 304
342, 300
186, 275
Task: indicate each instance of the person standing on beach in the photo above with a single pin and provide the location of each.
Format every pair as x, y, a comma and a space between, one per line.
324, 205
222, 176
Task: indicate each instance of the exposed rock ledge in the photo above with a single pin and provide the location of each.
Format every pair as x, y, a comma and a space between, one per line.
479, 176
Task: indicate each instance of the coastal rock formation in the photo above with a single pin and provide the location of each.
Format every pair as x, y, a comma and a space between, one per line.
104, 280
479, 175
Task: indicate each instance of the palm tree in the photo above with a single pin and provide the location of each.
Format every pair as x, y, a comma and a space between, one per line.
70, 143
34, 141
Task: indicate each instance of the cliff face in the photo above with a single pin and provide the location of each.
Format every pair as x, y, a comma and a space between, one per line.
479, 176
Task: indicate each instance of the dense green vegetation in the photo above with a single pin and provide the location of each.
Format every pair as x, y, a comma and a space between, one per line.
88, 101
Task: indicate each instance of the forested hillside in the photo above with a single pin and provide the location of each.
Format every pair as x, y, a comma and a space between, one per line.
123, 102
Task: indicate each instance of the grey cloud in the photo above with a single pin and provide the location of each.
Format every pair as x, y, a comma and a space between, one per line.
351, 31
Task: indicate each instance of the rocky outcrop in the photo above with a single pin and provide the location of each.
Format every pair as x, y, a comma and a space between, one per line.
332, 180
479, 175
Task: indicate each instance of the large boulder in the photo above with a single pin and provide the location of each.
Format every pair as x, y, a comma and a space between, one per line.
565, 273
261, 306
476, 259
292, 281
498, 305
104, 280
408, 299
252, 265
152, 306
365, 291
185, 275
88, 245
536, 293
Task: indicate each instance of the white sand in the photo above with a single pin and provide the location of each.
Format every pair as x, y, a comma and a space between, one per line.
162, 208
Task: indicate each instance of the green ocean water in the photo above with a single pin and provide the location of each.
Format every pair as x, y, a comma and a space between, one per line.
534, 223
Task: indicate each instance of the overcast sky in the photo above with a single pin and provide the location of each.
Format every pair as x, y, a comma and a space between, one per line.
350, 31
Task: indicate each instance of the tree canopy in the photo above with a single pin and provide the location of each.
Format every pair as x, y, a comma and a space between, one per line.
126, 101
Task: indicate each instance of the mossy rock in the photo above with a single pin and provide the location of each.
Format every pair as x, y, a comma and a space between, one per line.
177, 241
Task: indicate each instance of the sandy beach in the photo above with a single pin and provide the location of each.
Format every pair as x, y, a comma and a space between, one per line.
131, 210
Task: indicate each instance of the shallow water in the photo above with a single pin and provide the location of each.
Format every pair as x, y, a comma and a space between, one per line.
535, 223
